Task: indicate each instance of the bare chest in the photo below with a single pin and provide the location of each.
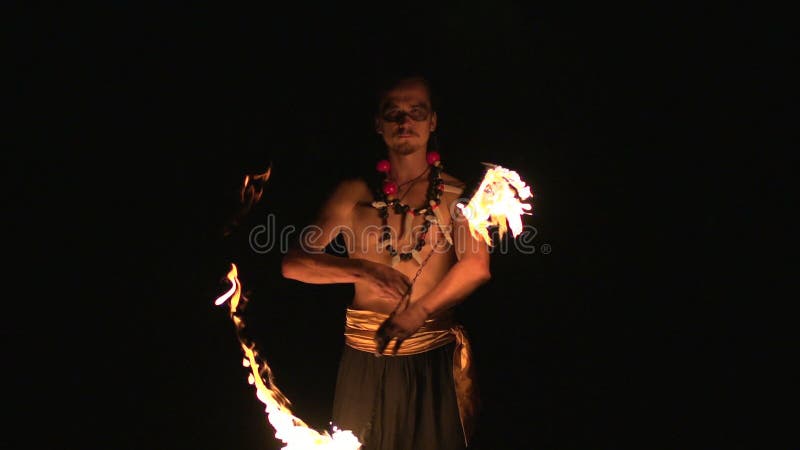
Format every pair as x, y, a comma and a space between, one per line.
406, 232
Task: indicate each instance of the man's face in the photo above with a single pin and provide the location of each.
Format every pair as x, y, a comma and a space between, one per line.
405, 119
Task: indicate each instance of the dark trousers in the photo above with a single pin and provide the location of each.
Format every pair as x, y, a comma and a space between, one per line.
399, 402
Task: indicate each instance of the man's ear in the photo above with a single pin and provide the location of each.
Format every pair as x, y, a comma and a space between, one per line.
378, 126
433, 122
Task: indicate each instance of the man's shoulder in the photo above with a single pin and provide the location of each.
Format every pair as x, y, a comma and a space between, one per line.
353, 184
354, 188
450, 180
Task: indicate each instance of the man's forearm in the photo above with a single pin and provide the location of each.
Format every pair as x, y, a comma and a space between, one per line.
461, 280
321, 268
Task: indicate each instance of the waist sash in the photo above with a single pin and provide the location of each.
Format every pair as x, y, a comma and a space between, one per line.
359, 333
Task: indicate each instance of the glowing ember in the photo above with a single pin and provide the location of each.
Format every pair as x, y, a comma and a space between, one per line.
497, 201
288, 428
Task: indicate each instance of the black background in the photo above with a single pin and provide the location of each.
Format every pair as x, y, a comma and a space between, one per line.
139, 122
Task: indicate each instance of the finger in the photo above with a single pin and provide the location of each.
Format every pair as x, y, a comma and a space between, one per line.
391, 294
404, 302
380, 342
380, 345
382, 337
394, 293
397, 345
401, 288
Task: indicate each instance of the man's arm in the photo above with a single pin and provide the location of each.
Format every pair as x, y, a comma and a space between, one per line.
310, 264
321, 268
470, 272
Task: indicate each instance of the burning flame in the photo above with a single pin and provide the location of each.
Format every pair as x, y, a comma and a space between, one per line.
496, 202
253, 187
249, 194
288, 428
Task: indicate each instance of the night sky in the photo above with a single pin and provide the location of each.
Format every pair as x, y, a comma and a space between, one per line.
139, 122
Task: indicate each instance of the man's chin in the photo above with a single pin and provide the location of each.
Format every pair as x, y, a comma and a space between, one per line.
404, 148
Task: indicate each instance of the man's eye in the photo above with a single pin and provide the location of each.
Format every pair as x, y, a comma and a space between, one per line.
419, 114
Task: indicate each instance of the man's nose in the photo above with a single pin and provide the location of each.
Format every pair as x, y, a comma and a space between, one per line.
404, 118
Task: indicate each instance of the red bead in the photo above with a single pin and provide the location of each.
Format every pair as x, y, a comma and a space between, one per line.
389, 187
432, 157
383, 166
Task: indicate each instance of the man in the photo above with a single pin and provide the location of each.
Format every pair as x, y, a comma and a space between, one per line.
410, 263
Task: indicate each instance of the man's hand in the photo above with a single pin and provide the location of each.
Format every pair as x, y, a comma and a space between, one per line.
392, 284
400, 325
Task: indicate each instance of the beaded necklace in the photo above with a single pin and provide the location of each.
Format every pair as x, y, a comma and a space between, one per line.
386, 199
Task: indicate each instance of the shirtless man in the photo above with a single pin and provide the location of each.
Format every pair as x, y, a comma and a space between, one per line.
416, 398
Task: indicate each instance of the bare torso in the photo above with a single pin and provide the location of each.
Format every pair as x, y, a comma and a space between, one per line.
363, 242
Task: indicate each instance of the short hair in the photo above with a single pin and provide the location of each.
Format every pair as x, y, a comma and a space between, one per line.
393, 81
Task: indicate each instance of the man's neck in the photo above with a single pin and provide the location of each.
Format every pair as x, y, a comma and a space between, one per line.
407, 167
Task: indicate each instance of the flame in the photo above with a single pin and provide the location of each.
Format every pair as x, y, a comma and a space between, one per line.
497, 201
253, 187
236, 289
249, 194
288, 428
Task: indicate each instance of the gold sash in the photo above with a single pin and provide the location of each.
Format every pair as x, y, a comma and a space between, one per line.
359, 333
